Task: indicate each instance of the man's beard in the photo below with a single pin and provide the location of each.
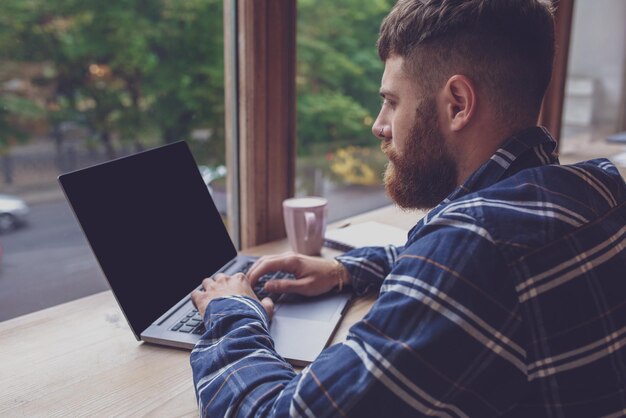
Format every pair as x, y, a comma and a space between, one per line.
426, 172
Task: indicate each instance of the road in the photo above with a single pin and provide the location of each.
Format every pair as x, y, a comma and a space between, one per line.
46, 262
49, 262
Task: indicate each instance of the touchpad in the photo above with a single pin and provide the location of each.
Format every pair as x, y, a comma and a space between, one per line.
324, 308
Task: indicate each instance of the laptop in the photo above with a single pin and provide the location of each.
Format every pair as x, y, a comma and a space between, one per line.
156, 233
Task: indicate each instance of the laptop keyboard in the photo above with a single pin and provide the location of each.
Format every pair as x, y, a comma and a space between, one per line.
191, 322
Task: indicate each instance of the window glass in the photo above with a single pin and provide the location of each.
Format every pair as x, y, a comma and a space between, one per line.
594, 113
82, 82
338, 77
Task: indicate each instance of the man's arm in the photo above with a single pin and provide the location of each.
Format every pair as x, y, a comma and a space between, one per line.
443, 339
368, 266
364, 269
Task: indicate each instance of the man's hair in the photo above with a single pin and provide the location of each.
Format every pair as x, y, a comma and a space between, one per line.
506, 47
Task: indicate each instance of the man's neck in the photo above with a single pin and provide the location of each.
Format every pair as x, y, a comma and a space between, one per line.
478, 146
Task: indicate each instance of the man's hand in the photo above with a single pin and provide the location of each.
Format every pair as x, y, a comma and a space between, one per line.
314, 275
222, 285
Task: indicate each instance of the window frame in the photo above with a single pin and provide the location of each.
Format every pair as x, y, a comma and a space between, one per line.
551, 114
260, 60
260, 136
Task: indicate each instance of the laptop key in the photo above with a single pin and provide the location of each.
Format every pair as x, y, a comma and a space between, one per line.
199, 330
192, 321
259, 288
186, 328
247, 266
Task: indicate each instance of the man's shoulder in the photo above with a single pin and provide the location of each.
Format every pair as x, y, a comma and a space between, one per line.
597, 172
536, 206
586, 189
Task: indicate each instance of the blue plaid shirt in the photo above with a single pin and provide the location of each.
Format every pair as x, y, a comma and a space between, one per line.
508, 299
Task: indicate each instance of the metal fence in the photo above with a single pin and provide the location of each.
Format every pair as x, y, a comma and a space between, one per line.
37, 165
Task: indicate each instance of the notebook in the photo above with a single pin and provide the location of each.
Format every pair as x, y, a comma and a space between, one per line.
366, 234
156, 233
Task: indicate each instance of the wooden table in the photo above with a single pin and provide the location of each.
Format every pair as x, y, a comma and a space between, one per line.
81, 359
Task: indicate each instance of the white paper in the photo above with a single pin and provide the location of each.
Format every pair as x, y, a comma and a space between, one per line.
366, 234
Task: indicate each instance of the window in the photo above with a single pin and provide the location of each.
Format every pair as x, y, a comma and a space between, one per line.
81, 83
338, 77
594, 112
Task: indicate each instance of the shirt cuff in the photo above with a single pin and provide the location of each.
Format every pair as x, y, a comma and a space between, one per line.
362, 277
235, 305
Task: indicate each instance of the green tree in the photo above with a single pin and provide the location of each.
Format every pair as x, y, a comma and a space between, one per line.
338, 71
132, 69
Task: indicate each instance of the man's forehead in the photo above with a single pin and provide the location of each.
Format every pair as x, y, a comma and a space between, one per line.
395, 77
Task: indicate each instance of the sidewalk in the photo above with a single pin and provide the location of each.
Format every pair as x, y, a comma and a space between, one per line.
34, 196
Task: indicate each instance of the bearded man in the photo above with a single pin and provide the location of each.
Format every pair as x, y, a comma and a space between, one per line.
508, 298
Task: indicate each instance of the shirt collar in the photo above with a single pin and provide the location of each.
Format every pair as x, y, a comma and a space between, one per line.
529, 148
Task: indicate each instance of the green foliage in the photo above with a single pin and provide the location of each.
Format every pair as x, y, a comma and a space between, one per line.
338, 70
15, 113
331, 115
127, 68
148, 71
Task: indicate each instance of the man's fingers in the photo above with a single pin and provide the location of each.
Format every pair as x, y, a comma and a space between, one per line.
282, 262
194, 297
239, 276
268, 305
301, 287
218, 277
206, 283
262, 266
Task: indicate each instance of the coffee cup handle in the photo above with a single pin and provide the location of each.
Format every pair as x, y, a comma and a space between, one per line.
309, 220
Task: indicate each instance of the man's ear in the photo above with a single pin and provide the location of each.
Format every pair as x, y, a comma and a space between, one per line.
460, 101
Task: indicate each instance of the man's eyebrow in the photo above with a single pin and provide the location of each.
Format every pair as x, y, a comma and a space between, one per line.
385, 93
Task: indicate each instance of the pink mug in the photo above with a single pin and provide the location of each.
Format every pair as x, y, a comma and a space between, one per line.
305, 222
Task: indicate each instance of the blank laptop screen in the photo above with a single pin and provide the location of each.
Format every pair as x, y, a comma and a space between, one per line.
153, 227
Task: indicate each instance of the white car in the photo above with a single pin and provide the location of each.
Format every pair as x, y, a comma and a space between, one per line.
13, 212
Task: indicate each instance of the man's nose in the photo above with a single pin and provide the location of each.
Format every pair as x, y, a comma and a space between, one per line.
378, 129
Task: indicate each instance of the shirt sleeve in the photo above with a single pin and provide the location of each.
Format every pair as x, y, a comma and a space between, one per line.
368, 266
443, 339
